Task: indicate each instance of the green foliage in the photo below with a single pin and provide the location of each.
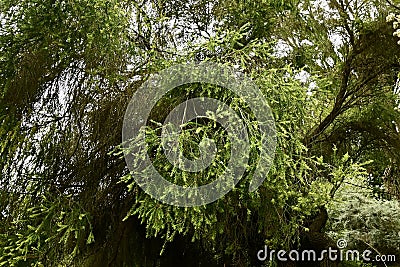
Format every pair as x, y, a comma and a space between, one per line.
38, 235
367, 223
69, 68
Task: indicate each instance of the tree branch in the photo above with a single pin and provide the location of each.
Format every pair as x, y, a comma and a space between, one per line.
337, 109
392, 5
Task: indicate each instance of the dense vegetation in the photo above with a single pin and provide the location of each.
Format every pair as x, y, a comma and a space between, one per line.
328, 69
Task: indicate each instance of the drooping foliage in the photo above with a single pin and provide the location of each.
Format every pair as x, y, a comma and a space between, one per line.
328, 69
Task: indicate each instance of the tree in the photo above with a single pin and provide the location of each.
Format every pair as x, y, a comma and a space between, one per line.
329, 71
